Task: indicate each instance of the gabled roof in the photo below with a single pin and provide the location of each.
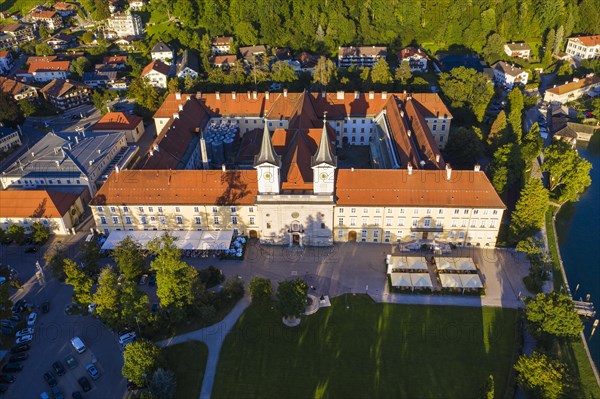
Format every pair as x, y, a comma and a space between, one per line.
60, 87
574, 85
221, 41
62, 37
588, 41
62, 66
248, 52
158, 66
324, 155
41, 58
4, 54
518, 46
35, 203
115, 59
507, 69
178, 187
44, 14
161, 47
117, 121
189, 60
365, 51
14, 87
396, 187
297, 173
409, 52
229, 59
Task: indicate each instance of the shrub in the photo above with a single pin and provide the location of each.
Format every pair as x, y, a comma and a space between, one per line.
260, 289
211, 277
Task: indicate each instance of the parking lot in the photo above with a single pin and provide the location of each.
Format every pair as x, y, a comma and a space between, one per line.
53, 332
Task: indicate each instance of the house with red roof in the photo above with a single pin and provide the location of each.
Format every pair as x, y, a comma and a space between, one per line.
131, 125
52, 19
156, 74
584, 47
6, 61
45, 71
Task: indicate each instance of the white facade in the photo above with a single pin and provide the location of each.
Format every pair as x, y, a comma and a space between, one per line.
164, 56
126, 24
156, 79
46, 76
584, 48
510, 77
6, 61
9, 140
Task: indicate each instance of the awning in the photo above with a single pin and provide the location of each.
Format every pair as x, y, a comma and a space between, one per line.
471, 281
416, 262
185, 240
421, 280
465, 264
400, 280
450, 281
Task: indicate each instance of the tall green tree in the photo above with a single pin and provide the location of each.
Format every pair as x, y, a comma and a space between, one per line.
141, 360
403, 73
39, 233
16, 233
558, 39
134, 303
532, 145
529, 213
464, 147
324, 72
79, 66
498, 135
515, 113
82, 283
43, 49
291, 297
163, 384
505, 168
381, 72
5, 302
541, 376
129, 257
466, 87
174, 278
494, 48
549, 47
10, 113
43, 31
90, 255
552, 314
569, 173
28, 108
283, 72
260, 289
101, 11
108, 298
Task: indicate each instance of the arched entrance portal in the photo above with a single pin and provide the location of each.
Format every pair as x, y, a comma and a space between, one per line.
253, 234
352, 235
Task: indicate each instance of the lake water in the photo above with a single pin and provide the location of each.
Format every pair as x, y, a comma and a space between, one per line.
578, 227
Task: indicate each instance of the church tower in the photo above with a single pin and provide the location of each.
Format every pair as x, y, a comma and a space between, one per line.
267, 164
323, 165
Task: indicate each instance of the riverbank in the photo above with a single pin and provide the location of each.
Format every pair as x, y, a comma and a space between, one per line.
574, 353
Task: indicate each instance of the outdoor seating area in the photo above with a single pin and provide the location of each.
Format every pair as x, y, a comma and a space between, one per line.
185, 240
406, 263
411, 281
457, 282
454, 265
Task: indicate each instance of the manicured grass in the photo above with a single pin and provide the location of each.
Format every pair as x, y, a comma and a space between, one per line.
21, 6
556, 269
188, 361
369, 350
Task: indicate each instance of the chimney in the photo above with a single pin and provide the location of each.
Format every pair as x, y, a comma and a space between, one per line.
217, 95
340, 95
437, 158
323, 94
477, 167
352, 169
32, 154
409, 169
448, 171
99, 152
177, 96
402, 113
180, 107
151, 153
176, 115
384, 95
254, 95
408, 132
117, 168
223, 168
356, 95
76, 139
285, 92
266, 95
404, 92
248, 94
233, 95
371, 95
198, 95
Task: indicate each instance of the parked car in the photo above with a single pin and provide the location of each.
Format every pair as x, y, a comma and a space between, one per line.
45, 307
50, 380
12, 368
93, 371
19, 306
71, 362
20, 348
23, 332
57, 393
7, 379
84, 384
18, 357
152, 280
8, 330
58, 368
91, 307
32, 319
24, 339
143, 279
31, 249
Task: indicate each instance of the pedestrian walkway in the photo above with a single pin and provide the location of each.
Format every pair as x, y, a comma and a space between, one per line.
213, 336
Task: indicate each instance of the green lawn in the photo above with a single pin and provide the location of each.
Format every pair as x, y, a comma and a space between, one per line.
369, 350
188, 361
556, 269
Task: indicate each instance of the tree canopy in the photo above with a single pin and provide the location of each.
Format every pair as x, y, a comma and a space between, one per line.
465, 87
291, 297
552, 314
260, 289
464, 147
129, 257
529, 213
10, 112
81, 282
569, 173
542, 376
141, 360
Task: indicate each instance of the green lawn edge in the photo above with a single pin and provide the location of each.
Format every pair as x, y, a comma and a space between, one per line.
188, 361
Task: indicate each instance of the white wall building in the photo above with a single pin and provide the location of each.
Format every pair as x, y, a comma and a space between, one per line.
508, 75
584, 47
126, 24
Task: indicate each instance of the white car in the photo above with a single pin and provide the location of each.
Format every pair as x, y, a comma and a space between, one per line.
24, 339
23, 332
91, 307
32, 319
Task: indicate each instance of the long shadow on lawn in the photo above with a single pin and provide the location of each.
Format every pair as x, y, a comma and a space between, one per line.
359, 348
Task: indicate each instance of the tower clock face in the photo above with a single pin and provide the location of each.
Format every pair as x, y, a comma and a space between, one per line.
268, 176
324, 176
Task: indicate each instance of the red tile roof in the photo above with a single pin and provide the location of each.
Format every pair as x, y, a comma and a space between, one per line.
117, 121
35, 203
571, 86
408, 52
115, 59
14, 87
4, 54
43, 14
158, 66
178, 187
589, 41
49, 66
395, 187
41, 58
223, 59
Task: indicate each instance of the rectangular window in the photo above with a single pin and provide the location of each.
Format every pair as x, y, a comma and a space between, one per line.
495, 212
376, 234
251, 210
415, 222
466, 212
388, 221
162, 220
377, 221
150, 209
196, 209
438, 223
234, 220
143, 220
401, 221
440, 211
482, 224
113, 209
452, 234
126, 209
215, 209
429, 211
363, 234
341, 210
100, 209
115, 219
198, 220
268, 225
427, 222
388, 234
233, 209
485, 212
102, 220
141, 209
179, 219
322, 225
127, 219
378, 211
251, 220
463, 223
340, 221
416, 211
492, 223
473, 222
476, 212
365, 210
216, 220
456, 211
153, 219
461, 234
365, 221
160, 209
401, 210
340, 233
352, 221
177, 209
389, 210
352, 210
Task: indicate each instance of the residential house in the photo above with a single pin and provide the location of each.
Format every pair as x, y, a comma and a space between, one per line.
6, 61
364, 56
282, 54
57, 211
518, 50
47, 71
15, 34
99, 79
221, 45
118, 62
137, 5
156, 74
584, 47
9, 138
574, 132
19, 90
508, 75
162, 52
188, 65
74, 162
52, 19
131, 125
65, 9
416, 58
570, 91
251, 53
220, 61
126, 24
61, 41
66, 94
